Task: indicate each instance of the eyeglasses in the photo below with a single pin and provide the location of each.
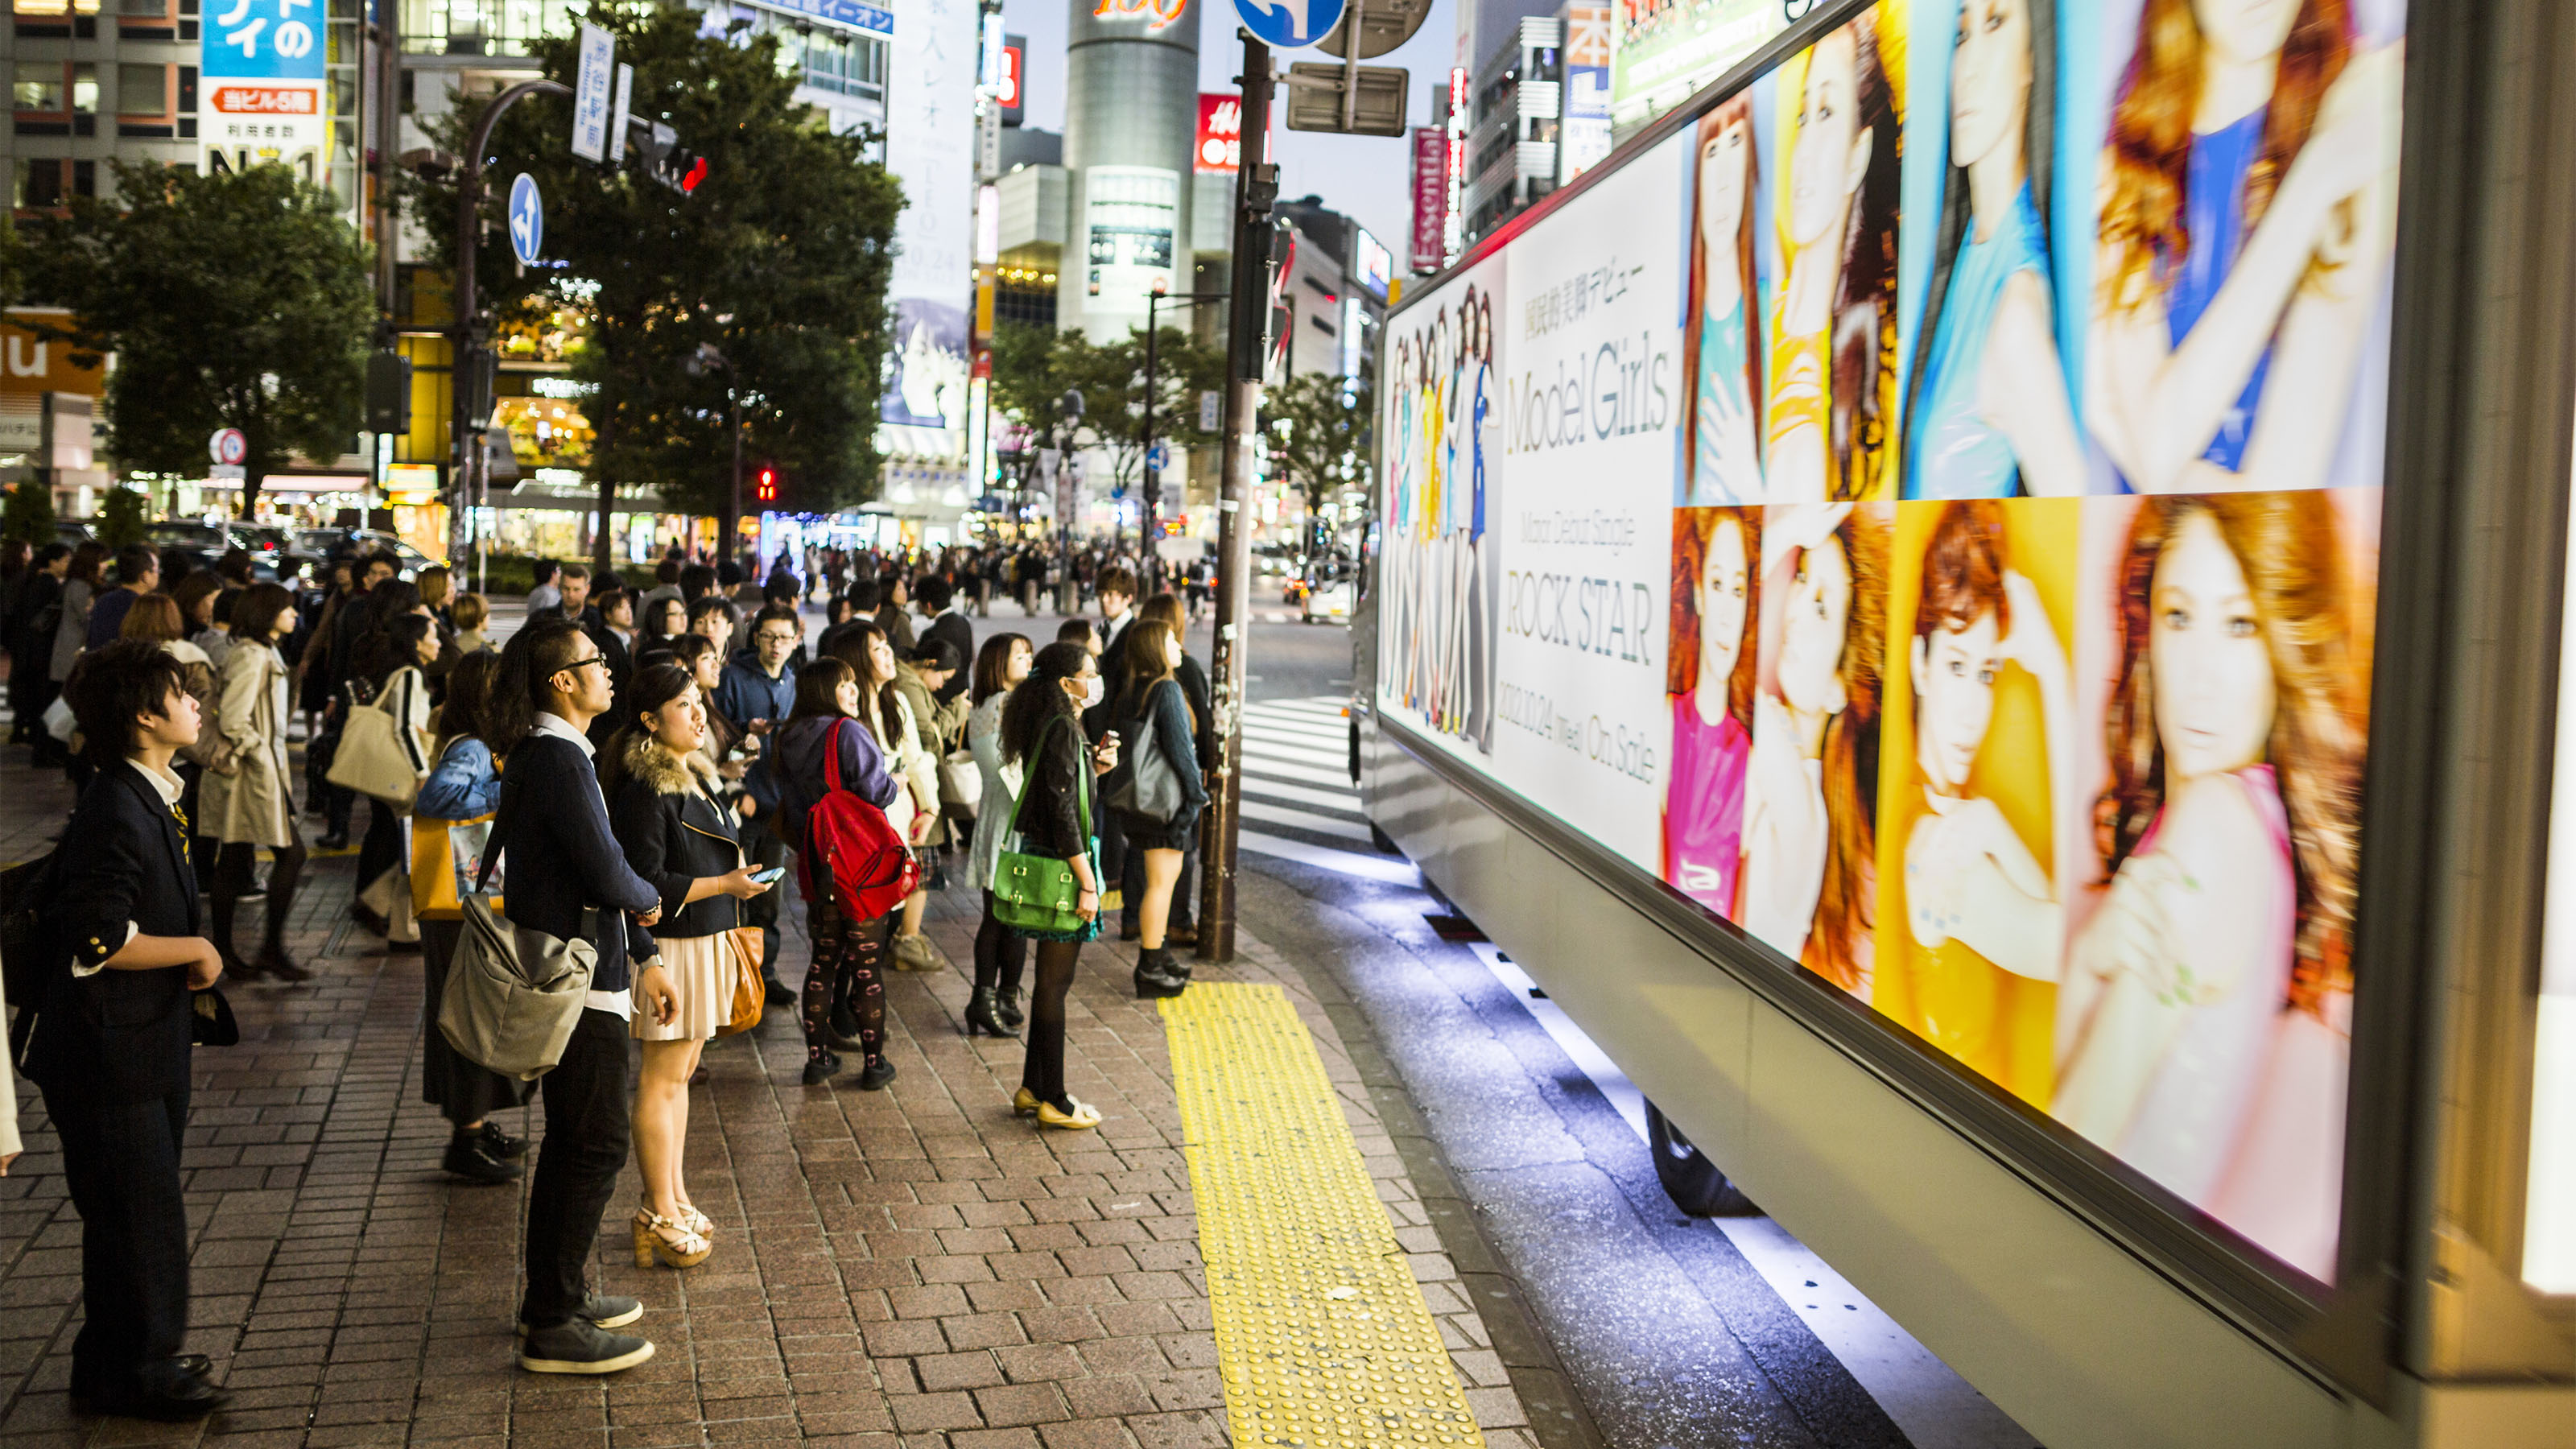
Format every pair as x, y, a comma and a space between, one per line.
770, 636
598, 659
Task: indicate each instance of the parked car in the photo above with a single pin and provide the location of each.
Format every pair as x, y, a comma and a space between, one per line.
1329, 600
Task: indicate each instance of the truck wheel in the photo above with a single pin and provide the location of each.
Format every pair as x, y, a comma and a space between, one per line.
1690, 1179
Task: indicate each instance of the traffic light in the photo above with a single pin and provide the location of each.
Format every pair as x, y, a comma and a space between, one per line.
765, 488
659, 153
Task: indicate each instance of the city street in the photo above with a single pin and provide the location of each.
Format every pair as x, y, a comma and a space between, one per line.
917, 1266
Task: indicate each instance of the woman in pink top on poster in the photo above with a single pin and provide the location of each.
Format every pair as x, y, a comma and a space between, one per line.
1710, 681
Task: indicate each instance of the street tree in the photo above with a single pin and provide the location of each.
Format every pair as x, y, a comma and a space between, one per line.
234, 300
1033, 369
1318, 434
780, 259
28, 517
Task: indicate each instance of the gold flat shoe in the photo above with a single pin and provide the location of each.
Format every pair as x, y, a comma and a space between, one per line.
1084, 1117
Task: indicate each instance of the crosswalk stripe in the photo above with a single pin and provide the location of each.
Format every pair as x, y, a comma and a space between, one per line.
1253, 765
1342, 799
1321, 706
1293, 755
1291, 727
1366, 867
1305, 820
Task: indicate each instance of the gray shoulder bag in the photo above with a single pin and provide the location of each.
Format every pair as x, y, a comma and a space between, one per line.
513, 994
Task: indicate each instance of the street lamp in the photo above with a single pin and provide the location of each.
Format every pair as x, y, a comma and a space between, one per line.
1146, 525
1068, 422
729, 529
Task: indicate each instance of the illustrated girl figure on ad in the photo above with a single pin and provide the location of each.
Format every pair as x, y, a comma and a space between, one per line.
1710, 681
1980, 905
2205, 1018
1987, 413
1811, 797
2248, 217
1833, 345
1721, 351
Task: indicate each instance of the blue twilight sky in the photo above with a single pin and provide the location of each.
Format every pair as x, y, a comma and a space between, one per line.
1366, 176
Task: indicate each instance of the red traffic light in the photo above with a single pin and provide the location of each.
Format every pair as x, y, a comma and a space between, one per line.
696, 173
767, 488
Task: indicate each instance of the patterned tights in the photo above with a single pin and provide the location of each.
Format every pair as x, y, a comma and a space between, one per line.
848, 974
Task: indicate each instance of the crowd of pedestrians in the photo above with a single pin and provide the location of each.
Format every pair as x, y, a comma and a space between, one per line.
637, 781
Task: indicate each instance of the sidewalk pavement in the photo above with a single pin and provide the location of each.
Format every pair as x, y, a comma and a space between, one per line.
913, 1268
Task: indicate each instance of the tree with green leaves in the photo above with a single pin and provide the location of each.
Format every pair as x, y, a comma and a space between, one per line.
29, 515
234, 300
123, 517
1033, 368
780, 259
1318, 434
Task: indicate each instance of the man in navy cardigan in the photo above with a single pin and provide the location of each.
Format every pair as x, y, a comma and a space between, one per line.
565, 875
112, 1032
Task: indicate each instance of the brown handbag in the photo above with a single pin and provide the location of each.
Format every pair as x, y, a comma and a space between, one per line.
750, 994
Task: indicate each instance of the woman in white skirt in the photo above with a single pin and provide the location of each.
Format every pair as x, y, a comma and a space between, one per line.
664, 806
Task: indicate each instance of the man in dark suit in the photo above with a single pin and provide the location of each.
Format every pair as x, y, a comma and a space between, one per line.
947, 625
111, 1040
566, 876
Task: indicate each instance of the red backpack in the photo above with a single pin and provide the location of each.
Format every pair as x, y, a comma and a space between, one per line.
852, 842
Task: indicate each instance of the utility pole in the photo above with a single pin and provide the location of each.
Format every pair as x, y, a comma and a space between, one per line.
469, 379
1256, 185
1149, 530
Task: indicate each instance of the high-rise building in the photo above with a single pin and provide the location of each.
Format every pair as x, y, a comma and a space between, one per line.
1131, 116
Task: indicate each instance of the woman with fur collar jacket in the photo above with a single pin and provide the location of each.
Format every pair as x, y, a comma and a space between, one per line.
665, 807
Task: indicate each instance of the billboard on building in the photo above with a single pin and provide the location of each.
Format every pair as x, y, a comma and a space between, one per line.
1219, 147
931, 84
1583, 130
1430, 197
1846, 562
261, 63
1662, 50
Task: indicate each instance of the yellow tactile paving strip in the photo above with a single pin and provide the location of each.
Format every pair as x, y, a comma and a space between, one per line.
1322, 1337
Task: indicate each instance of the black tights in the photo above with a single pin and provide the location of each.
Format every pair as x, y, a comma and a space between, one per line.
848, 973
1000, 955
232, 879
1043, 1076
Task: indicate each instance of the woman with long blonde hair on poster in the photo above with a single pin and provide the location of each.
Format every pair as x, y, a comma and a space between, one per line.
1811, 794
1987, 413
1833, 343
2205, 1019
1721, 354
2248, 215
1710, 681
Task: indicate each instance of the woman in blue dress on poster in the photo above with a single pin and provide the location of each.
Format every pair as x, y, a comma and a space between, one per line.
1989, 415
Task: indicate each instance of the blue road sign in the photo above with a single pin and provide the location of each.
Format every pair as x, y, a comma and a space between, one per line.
1288, 24
1158, 457
527, 219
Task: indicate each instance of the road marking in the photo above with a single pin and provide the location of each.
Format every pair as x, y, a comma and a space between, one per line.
1304, 773
1306, 821
1323, 1340
1392, 870
1344, 798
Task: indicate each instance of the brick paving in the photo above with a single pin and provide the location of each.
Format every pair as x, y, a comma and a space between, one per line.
906, 1269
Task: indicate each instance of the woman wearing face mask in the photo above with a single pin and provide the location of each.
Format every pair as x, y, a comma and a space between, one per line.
1979, 906
2205, 1021
1042, 733
1000, 954
1710, 682
1810, 825
1988, 415
663, 805
1833, 348
1156, 710
2248, 219
1718, 354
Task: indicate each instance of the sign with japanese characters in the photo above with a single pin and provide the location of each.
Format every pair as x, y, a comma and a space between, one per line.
263, 75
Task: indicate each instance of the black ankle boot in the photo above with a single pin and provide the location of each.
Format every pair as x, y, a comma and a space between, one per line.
1158, 975
982, 1015
1006, 1009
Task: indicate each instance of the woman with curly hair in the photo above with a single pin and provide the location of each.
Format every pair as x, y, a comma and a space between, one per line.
1709, 683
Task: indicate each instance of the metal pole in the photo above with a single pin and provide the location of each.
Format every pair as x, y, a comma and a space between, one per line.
1351, 69
465, 372
727, 545
1255, 185
1150, 555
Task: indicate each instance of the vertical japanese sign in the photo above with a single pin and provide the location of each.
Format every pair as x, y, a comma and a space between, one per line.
263, 71
591, 92
1430, 196
1585, 131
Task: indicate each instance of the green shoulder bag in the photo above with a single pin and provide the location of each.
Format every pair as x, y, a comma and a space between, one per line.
1036, 895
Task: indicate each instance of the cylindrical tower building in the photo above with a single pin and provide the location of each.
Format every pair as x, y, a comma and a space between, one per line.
1131, 113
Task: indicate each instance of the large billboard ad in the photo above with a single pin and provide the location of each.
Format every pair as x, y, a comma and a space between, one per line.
1926, 512
1662, 50
263, 66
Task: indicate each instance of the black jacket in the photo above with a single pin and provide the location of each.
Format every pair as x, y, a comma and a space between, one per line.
563, 860
122, 1035
1058, 783
960, 636
1174, 735
796, 758
674, 832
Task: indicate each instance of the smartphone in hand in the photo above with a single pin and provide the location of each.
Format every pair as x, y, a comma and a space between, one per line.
770, 876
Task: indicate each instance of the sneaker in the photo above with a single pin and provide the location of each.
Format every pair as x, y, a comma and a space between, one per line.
501, 1143
579, 1346
821, 1068
915, 953
601, 1310
471, 1158
875, 1075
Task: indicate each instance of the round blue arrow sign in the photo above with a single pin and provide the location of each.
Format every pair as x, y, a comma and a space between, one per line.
1288, 24
527, 219
1158, 457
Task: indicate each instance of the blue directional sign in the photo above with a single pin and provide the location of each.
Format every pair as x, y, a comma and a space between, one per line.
1158, 457
527, 219
1288, 24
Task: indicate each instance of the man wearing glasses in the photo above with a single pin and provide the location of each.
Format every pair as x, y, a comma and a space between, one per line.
565, 876
757, 691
